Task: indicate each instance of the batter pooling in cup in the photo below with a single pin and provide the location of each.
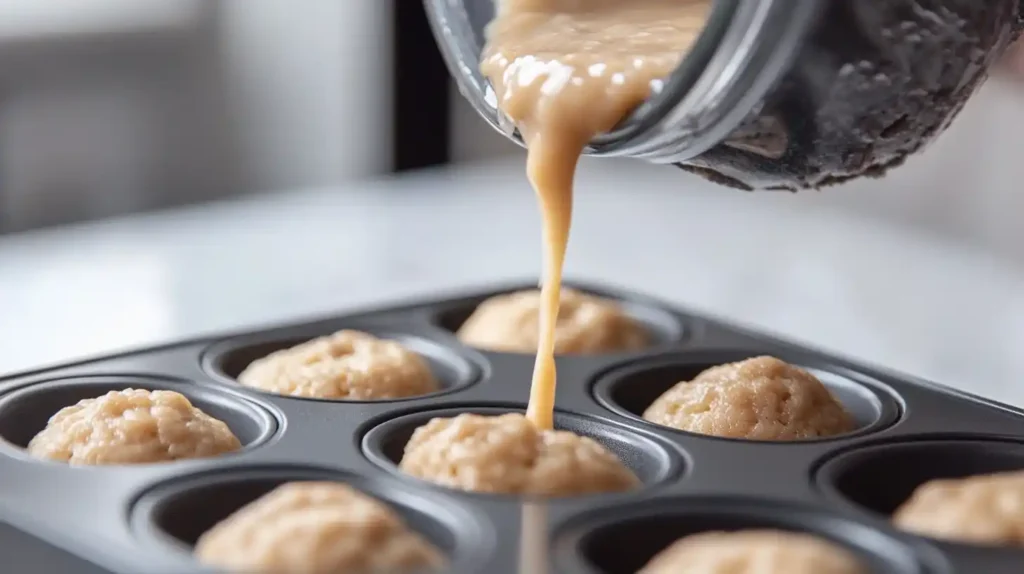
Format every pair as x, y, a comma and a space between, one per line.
508, 454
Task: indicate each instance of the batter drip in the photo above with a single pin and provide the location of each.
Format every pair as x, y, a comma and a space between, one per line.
565, 71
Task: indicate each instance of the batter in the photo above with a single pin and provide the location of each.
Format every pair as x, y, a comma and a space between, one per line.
754, 552
761, 398
508, 454
586, 325
132, 426
565, 71
346, 365
316, 528
986, 510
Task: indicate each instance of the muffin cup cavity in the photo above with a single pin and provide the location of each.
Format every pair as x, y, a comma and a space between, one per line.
663, 327
26, 411
628, 390
651, 459
173, 515
225, 361
622, 540
147, 518
879, 478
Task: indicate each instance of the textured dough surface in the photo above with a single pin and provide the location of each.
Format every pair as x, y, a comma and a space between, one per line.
754, 552
315, 528
761, 398
586, 325
506, 454
344, 365
985, 509
132, 426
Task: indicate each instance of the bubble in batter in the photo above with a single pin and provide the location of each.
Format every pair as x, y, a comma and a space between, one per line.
985, 510
315, 528
132, 426
586, 325
348, 365
754, 552
507, 454
761, 398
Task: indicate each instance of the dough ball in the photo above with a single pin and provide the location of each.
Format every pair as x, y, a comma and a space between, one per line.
757, 399
985, 510
315, 528
754, 552
586, 325
345, 365
506, 454
132, 426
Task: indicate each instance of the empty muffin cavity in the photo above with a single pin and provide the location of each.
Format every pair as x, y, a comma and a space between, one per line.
175, 516
920, 486
626, 540
590, 323
340, 365
650, 460
26, 412
869, 406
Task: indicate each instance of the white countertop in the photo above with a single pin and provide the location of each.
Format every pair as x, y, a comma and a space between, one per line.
794, 265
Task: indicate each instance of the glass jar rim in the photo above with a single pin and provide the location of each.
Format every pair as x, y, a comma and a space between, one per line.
681, 81
461, 43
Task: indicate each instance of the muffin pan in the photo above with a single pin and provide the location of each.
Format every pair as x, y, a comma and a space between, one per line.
144, 518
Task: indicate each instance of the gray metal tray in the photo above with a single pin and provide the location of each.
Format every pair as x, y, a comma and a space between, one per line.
144, 519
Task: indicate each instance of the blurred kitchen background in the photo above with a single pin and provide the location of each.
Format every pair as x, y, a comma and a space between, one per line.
110, 107
114, 108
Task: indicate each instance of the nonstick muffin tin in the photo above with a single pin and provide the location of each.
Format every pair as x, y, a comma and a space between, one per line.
144, 518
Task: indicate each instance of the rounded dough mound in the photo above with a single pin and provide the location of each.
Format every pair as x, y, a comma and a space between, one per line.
506, 454
315, 527
985, 510
586, 325
761, 398
754, 552
345, 365
132, 426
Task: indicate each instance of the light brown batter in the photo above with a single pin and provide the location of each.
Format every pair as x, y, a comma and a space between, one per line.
761, 398
754, 552
586, 324
565, 71
507, 454
316, 528
985, 510
132, 426
348, 364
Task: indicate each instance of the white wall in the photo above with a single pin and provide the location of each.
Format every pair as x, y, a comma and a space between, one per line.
308, 102
51, 169
32, 20
312, 81
88, 132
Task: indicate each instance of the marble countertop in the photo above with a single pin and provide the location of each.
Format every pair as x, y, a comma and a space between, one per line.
799, 266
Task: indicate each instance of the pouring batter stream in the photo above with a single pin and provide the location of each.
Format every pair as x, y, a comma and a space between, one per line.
565, 71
